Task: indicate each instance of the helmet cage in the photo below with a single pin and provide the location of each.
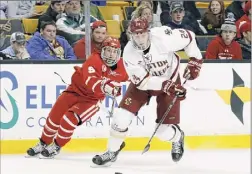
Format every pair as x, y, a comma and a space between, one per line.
107, 59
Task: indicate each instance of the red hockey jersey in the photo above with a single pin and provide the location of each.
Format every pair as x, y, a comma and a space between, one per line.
86, 81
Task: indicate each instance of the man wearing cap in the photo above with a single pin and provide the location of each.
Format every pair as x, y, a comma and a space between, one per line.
224, 46
17, 48
99, 33
176, 18
245, 40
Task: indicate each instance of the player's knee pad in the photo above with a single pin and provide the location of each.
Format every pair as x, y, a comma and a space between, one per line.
121, 121
168, 132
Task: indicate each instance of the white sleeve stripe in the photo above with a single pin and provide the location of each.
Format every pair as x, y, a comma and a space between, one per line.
88, 79
86, 82
175, 72
96, 83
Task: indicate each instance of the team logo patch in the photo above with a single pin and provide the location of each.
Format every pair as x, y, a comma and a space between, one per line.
147, 58
128, 101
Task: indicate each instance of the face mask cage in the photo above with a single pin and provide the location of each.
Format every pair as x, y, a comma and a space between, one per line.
108, 60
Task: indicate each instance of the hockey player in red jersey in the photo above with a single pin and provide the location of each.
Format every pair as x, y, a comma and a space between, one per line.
153, 68
99, 75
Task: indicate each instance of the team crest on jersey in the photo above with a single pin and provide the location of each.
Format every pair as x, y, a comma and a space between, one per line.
147, 58
128, 101
104, 68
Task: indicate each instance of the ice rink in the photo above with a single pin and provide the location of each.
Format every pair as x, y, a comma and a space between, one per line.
193, 162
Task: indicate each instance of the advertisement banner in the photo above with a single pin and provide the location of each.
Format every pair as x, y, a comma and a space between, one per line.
218, 102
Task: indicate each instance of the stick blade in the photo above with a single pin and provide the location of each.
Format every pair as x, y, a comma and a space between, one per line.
146, 149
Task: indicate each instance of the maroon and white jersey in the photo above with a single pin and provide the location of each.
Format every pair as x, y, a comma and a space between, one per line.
149, 71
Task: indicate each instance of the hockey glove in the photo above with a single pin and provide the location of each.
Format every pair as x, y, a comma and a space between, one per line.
193, 68
111, 88
171, 88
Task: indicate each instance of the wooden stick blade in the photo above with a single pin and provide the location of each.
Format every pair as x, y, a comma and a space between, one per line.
146, 149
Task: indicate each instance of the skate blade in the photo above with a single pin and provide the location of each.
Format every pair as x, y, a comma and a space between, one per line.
44, 157
28, 156
108, 164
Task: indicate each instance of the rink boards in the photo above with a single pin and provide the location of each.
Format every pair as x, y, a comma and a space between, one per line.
216, 113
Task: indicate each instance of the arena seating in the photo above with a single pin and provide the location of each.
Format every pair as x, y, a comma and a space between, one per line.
122, 8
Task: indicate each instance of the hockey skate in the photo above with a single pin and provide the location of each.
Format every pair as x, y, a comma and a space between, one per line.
107, 158
178, 147
34, 151
50, 151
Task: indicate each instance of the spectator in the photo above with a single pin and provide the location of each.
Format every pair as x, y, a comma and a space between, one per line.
190, 6
3, 7
17, 48
214, 17
48, 46
145, 2
176, 19
144, 11
245, 40
72, 24
236, 7
53, 12
124, 38
21, 9
155, 7
246, 17
224, 46
3, 39
94, 11
99, 32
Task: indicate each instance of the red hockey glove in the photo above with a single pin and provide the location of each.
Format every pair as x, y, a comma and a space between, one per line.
171, 88
193, 68
111, 88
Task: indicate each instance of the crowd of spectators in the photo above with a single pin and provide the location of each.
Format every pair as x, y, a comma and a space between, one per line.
61, 32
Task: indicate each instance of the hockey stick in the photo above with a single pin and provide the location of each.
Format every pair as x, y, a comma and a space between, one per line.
111, 112
61, 78
209, 89
147, 147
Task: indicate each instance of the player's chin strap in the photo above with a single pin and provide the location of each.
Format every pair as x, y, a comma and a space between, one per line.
147, 147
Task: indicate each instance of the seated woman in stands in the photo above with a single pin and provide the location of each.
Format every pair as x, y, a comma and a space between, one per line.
214, 17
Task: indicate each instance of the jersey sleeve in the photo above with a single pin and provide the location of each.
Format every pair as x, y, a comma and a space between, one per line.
92, 76
179, 39
141, 78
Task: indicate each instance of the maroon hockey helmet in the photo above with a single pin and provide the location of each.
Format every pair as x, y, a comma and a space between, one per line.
139, 25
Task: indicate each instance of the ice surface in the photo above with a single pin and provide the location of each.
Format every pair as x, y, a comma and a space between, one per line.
193, 162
